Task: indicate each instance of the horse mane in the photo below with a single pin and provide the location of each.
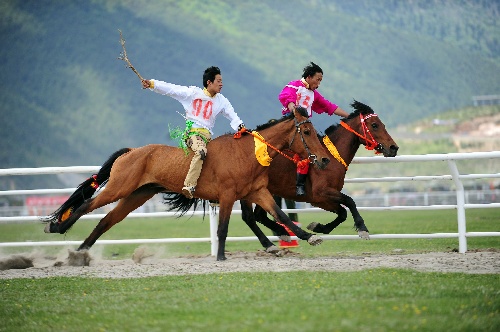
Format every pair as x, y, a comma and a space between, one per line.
302, 111
359, 108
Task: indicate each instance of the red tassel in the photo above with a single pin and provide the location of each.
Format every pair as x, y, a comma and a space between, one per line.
240, 132
303, 166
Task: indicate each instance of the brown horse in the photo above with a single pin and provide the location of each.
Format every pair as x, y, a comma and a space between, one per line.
323, 189
230, 172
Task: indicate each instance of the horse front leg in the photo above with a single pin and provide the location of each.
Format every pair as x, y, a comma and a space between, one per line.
359, 223
333, 205
261, 216
225, 209
266, 201
248, 217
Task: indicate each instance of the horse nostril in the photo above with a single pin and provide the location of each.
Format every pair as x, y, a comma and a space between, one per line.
325, 161
394, 148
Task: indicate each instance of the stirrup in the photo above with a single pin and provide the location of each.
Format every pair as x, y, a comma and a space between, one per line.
188, 192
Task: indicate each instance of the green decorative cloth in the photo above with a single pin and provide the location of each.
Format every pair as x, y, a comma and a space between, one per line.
182, 135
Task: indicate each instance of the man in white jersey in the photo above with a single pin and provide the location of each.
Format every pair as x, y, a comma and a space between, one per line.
202, 107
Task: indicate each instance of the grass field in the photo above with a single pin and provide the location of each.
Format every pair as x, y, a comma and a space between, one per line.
369, 300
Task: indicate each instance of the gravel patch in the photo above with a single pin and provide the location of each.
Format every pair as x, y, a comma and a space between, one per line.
143, 264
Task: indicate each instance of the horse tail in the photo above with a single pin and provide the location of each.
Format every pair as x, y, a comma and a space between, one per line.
182, 204
85, 190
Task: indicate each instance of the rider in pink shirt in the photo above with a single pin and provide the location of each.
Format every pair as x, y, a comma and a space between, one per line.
304, 93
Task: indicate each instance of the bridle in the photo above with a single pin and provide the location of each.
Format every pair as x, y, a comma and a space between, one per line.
311, 157
370, 142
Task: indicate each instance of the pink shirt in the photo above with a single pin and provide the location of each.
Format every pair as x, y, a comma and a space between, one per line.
296, 92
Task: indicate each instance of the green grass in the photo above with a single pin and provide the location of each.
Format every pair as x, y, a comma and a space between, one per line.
378, 222
370, 300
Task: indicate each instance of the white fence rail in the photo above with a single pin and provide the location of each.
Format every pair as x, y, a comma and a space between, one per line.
450, 159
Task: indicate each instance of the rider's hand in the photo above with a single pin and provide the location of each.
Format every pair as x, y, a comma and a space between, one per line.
146, 84
241, 126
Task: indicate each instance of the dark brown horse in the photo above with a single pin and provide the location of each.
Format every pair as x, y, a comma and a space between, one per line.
323, 189
230, 172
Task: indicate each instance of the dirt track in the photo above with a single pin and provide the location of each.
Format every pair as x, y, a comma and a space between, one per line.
144, 265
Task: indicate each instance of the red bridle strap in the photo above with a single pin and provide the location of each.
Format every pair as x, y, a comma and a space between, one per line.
370, 142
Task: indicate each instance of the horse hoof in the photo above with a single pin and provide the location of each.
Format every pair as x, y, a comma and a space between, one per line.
273, 249
280, 253
221, 258
312, 226
78, 258
364, 235
285, 238
314, 240
50, 228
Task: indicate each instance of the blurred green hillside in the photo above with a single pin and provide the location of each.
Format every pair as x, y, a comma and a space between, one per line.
65, 98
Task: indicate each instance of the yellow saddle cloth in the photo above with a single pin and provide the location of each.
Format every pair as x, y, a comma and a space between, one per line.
261, 150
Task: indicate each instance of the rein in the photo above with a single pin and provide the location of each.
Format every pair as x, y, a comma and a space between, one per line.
296, 157
370, 142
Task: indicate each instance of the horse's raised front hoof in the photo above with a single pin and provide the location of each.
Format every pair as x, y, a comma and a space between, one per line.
221, 258
314, 240
364, 235
312, 226
273, 249
50, 228
285, 238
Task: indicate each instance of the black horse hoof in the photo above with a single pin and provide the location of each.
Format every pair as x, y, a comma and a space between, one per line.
315, 227
221, 258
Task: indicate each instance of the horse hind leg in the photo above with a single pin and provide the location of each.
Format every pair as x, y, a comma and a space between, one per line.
359, 223
328, 228
63, 226
122, 209
91, 204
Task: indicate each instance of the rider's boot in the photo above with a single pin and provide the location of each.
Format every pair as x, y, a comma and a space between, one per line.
300, 185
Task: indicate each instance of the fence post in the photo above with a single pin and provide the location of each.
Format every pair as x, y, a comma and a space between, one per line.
462, 239
214, 240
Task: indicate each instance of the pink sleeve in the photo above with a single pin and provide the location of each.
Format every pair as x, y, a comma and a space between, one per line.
288, 95
322, 105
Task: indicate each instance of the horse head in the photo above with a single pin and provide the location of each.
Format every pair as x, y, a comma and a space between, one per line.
297, 133
366, 124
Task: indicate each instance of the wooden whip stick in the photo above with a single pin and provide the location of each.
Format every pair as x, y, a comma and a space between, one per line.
123, 56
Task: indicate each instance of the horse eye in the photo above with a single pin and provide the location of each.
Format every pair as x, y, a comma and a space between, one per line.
307, 131
374, 125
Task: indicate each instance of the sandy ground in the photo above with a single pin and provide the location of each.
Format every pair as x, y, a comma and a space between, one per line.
144, 264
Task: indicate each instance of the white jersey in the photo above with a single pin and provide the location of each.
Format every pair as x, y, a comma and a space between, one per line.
200, 108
